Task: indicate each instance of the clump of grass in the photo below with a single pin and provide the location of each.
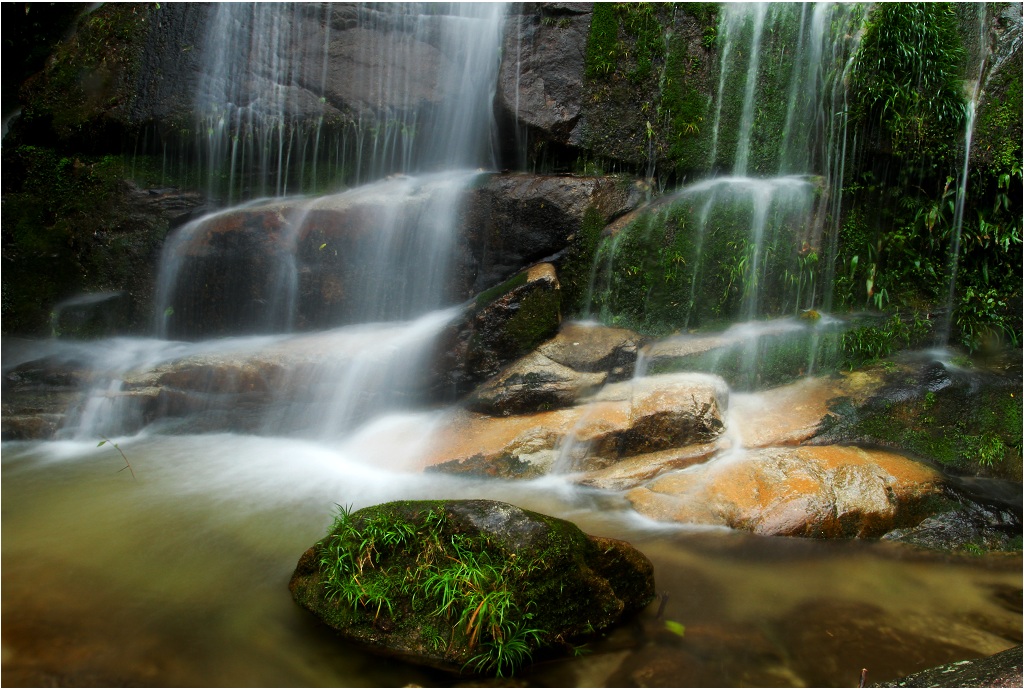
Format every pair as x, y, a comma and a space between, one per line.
369, 564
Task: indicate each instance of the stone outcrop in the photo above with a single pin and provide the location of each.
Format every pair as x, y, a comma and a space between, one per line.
830, 491
621, 421
594, 348
541, 81
965, 419
545, 583
532, 384
577, 361
514, 220
236, 268
500, 326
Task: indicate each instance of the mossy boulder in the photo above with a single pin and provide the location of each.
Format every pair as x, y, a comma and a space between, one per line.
468, 586
966, 419
501, 325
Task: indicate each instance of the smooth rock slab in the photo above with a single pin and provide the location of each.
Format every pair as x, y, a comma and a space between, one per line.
564, 584
828, 491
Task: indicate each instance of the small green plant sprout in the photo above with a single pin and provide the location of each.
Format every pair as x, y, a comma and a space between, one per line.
675, 627
127, 465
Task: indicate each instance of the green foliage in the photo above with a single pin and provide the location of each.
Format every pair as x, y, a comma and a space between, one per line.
365, 563
685, 266
907, 78
127, 465
684, 108
900, 223
868, 344
602, 41
638, 21
641, 22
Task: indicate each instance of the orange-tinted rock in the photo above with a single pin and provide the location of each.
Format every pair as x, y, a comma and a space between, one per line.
623, 420
830, 491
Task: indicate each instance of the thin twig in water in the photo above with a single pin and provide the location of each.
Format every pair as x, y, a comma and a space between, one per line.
661, 607
127, 465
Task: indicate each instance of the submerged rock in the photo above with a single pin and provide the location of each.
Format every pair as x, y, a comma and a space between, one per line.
830, 491
1002, 670
468, 586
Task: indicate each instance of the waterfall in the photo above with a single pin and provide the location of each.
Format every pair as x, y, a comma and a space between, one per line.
331, 302
763, 227
746, 125
294, 96
943, 332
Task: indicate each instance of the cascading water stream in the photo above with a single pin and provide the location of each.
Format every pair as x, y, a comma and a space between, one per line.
411, 84
943, 333
369, 264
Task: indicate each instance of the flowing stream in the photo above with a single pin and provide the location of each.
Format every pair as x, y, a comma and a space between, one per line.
179, 577
162, 556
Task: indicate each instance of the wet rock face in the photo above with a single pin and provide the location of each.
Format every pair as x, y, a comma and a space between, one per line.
514, 220
36, 396
554, 585
829, 491
540, 84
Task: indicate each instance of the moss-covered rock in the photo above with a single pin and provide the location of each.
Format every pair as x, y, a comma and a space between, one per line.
469, 586
1002, 670
501, 325
969, 421
74, 224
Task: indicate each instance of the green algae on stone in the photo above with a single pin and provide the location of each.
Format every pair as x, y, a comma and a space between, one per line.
969, 422
469, 586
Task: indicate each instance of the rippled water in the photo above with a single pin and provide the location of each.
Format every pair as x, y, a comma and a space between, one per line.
179, 576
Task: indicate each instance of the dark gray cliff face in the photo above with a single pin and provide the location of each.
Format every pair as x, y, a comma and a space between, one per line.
541, 81
170, 67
